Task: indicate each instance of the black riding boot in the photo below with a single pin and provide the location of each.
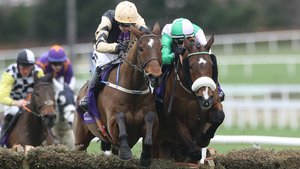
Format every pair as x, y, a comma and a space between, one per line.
215, 75
84, 102
6, 122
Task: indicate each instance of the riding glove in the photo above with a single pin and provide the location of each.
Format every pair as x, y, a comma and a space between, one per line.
180, 50
121, 47
19, 103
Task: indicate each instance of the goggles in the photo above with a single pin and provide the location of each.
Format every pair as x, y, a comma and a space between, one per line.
178, 41
124, 24
56, 63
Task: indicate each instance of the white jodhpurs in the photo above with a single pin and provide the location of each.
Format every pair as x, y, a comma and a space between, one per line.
13, 110
104, 58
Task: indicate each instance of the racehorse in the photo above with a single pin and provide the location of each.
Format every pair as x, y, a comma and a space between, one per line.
35, 120
191, 111
127, 109
66, 108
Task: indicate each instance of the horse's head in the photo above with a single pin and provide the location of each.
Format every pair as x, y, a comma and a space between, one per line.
197, 66
65, 98
43, 100
148, 51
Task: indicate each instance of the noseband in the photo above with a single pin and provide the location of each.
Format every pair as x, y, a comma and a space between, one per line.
38, 108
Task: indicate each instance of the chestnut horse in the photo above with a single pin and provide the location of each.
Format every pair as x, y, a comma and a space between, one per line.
35, 120
191, 111
125, 104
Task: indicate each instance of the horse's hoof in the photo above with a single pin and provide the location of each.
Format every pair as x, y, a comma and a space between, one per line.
18, 148
195, 156
145, 162
27, 149
125, 153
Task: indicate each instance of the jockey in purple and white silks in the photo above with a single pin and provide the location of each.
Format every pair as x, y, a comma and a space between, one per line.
56, 61
173, 35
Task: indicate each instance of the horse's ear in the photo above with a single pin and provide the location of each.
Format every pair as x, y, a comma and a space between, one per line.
210, 42
136, 32
188, 45
156, 29
35, 77
47, 78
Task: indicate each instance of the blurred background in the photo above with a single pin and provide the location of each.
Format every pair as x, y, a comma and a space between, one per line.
257, 44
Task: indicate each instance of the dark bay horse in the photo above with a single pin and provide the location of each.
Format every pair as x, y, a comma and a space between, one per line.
34, 121
125, 103
191, 111
66, 108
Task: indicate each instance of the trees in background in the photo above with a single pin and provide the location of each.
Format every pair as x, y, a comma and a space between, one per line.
45, 22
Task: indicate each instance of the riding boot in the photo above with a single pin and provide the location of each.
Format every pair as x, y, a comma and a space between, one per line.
215, 75
6, 122
84, 102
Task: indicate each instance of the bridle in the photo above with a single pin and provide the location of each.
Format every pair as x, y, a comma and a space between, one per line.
35, 109
142, 66
186, 85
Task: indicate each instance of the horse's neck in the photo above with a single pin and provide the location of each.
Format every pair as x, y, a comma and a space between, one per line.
182, 85
132, 77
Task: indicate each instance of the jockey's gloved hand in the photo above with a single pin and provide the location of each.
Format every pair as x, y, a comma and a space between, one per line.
19, 103
175, 56
180, 50
121, 47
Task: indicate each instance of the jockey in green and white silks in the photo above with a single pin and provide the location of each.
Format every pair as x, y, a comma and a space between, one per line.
173, 35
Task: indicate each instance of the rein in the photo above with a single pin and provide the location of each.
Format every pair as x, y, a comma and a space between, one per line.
143, 65
139, 68
25, 107
29, 99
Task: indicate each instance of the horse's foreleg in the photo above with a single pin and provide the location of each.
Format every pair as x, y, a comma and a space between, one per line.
210, 128
124, 150
49, 137
145, 159
194, 151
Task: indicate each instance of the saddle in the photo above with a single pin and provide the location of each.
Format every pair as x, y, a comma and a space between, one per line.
160, 91
92, 94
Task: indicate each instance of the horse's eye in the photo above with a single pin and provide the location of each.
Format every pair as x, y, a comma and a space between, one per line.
141, 49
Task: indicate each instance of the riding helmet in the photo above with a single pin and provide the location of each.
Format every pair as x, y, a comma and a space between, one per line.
56, 54
126, 12
181, 28
26, 57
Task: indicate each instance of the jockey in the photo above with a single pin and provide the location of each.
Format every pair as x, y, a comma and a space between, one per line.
55, 61
111, 37
172, 41
16, 83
